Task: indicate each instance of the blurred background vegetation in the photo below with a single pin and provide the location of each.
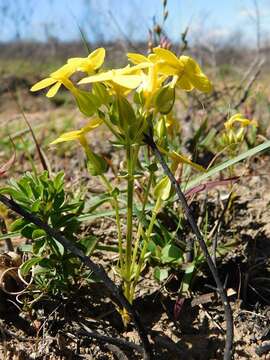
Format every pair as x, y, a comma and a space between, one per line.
222, 35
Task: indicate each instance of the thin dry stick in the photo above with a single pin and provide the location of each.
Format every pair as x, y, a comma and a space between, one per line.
39, 151
249, 84
98, 270
228, 352
109, 339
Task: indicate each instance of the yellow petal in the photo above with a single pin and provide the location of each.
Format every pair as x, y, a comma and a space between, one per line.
167, 56
167, 69
195, 75
69, 136
53, 90
240, 119
137, 58
106, 76
65, 71
97, 57
75, 61
185, 83
78, 134
128, 81
43, 84
91, 125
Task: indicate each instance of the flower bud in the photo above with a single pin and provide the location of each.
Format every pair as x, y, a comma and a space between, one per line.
164, 99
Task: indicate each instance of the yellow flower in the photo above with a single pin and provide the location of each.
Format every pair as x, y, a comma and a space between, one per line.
186, 73
79, 134
152, 80
93, 62
235, 129
62, 75
138, 58
239, 118
96, 164
119, 80
57, 78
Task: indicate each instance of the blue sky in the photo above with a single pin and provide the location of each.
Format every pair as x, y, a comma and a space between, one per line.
109, 19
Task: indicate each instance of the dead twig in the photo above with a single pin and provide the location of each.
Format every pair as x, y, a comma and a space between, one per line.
39, 150
109, 339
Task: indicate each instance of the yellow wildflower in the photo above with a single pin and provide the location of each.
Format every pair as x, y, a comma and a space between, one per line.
186, 73
119, 80
62, 75
93, 62
95, 164
138, 58
79, 134
239, 118
152, 80
235, 129
57, 78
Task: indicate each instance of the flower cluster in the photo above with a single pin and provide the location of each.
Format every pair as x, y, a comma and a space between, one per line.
152, 78
235, 129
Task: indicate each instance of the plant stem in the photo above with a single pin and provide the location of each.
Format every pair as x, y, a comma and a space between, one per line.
115, 205
139, 232
147, 237
228, 352
130, 193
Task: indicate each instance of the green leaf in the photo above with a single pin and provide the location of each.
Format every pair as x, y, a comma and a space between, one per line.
38, 233
27, 231
59, 181
126, 113
101, 93
161, 274
27, 265
87, 102
39, 246
187, 278
35, 205
164, 99
56, 247
171, 254
96, 165
18, 224
152, 247
163, 188
89, 244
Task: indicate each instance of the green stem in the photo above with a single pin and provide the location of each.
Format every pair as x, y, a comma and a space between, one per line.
111, 128
130, 190
147, 237
139, 232
115, 205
